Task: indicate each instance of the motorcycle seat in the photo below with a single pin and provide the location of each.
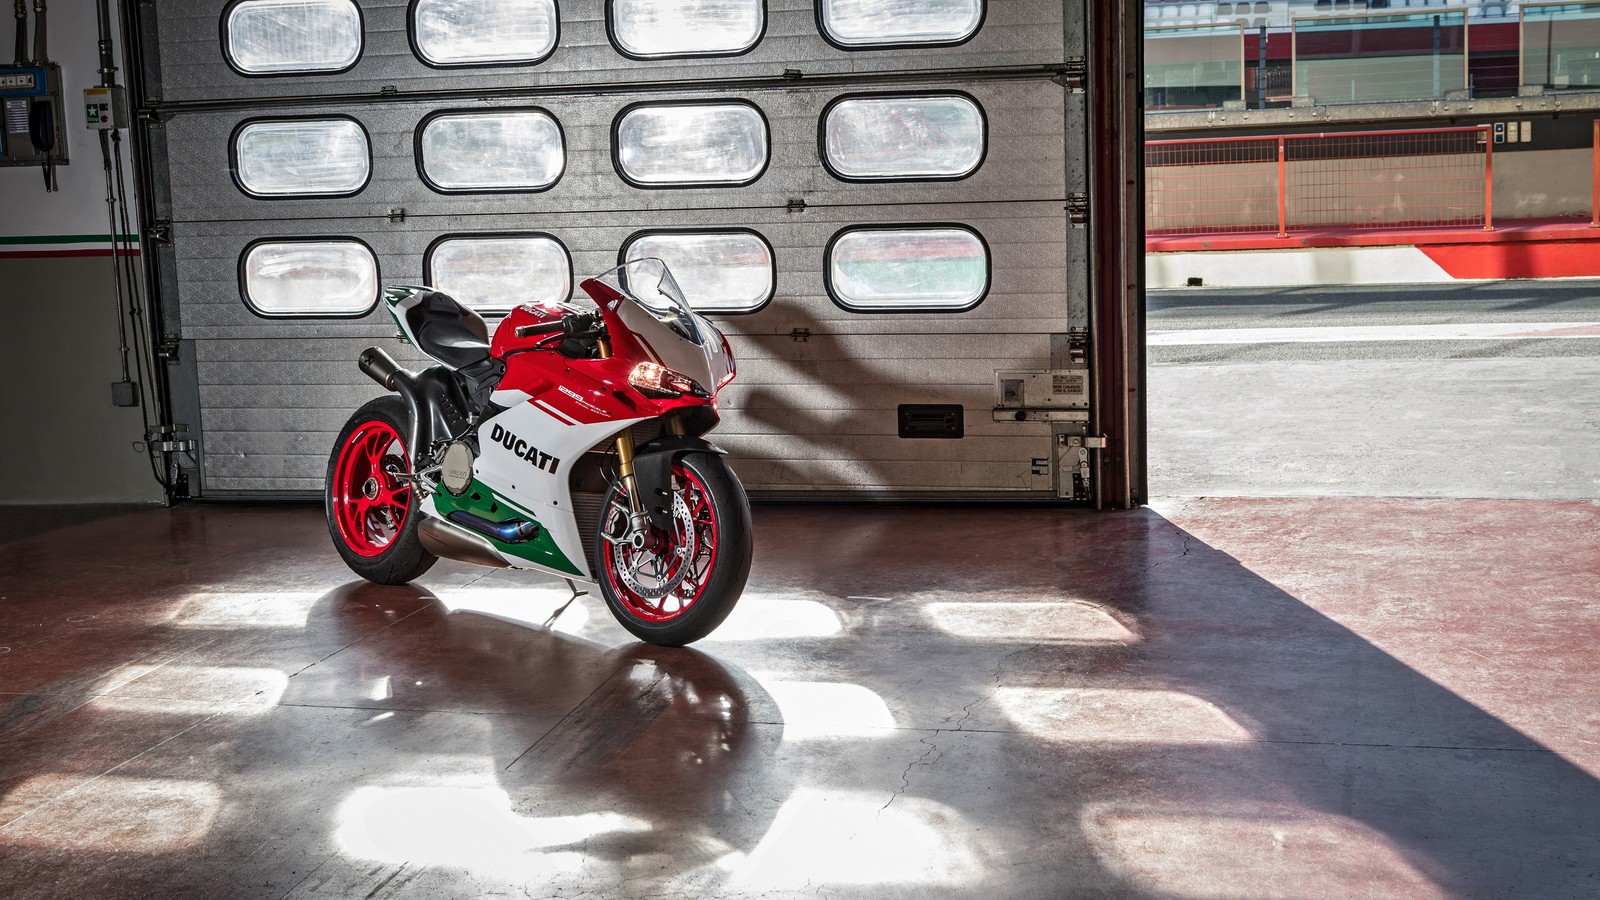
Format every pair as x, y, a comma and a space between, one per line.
448, 331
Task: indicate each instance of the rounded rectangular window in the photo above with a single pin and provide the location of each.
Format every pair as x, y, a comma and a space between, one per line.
726, 271
905, 137
291, 37
690, 144
857, 24
647, 29
483, 32
301, 157
939, 268
495, 273
311, 277
499, 150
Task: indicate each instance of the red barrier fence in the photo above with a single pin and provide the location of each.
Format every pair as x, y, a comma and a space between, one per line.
1412, 178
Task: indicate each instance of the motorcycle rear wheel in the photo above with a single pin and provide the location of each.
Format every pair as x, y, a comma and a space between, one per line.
706, 571
371, 508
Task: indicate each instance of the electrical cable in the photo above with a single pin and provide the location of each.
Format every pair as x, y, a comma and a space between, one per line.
141, 347
116, 264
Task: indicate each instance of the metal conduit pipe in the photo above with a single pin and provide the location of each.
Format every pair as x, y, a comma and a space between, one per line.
22, 33
108, 62
41, 53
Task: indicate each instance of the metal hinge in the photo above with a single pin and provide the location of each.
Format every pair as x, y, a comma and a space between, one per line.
1096, 442
1078, 346
154, 439
1074, 75
793, 74
159, 231
1078, 209
168, 350
800, 335
795, 205
398, 214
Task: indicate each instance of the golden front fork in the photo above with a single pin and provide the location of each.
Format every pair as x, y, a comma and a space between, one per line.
625, 448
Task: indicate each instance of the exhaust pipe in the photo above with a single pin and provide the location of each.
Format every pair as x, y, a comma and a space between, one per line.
454, 543
379, 366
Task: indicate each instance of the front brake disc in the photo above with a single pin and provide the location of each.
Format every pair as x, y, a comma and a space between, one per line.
664, 557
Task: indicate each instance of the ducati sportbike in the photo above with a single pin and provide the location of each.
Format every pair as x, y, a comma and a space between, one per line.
571, 443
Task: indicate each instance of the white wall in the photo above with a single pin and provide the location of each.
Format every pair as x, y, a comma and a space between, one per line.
80, 206
61, 439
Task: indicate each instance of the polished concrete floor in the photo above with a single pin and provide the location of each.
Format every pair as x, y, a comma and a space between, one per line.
1213, 698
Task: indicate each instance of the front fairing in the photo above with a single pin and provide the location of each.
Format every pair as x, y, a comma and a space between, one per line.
649, 321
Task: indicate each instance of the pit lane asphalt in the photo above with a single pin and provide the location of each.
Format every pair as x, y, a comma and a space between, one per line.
1513, 416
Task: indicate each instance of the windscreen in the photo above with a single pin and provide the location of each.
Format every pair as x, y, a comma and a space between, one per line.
648, 283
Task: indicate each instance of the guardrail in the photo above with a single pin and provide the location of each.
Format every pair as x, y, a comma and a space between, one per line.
1405, 178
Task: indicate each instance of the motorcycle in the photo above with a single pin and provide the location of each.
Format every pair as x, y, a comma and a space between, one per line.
572, 443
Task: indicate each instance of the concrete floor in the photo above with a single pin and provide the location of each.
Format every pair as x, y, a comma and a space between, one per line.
1215, 698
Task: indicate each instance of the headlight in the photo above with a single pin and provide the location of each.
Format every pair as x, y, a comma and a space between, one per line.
661, 382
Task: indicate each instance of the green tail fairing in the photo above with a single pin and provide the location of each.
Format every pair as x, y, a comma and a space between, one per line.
485, 503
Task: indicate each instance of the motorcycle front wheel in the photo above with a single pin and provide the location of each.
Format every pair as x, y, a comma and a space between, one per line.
684, 582
371, 508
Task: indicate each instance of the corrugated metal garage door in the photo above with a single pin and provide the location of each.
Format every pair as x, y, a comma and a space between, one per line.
816, 405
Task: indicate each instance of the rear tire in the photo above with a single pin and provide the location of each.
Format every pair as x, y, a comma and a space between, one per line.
372, 511
717, 568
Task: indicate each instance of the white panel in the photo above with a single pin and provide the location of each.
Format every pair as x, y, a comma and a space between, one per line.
646, 28
302, 157
867, 23
927, 136
483, 32
267, 37
309, 278
878, 269
492, 151
691, 144
494, 274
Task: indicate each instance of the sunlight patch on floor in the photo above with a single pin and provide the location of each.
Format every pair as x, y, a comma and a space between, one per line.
825, 709
1060, 622
243, 609
468, 828
192, 690
109, 814
834, 838
1109, 714
1207, 855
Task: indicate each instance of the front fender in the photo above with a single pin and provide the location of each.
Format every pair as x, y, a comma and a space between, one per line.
652, 472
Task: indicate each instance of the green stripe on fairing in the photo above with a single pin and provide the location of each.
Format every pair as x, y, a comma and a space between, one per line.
495, 508
66, 239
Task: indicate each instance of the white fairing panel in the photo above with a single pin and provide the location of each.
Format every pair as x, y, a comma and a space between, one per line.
544, 492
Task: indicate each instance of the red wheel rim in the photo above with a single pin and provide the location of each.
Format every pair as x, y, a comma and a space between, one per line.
698, 567
370, 502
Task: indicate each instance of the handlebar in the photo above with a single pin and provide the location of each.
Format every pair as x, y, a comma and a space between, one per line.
527, 331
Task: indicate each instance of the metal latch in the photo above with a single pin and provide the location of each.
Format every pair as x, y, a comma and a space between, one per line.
1078, 208
159, 231
1074, 75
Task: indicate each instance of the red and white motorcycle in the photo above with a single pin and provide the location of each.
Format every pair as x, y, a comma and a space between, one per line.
572, 443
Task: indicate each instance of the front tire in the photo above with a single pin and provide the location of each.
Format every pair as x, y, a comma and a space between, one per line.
680, 590
371, 507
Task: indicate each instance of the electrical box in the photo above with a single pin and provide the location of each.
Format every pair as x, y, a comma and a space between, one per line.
34, 132
1049, 395
105, 108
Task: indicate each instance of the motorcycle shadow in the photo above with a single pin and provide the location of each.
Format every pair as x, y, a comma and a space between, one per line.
650, 739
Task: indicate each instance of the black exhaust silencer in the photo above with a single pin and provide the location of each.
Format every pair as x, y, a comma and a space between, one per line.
379, 366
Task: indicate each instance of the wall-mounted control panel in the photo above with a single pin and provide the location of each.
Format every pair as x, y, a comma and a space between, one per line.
34, 130
105, 108
1050, 395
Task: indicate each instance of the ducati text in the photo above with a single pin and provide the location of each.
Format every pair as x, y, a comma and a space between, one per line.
524, 450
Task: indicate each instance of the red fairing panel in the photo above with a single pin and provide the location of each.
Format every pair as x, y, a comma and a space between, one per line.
586, 391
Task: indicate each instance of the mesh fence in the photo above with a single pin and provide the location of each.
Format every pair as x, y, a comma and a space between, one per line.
1378, 179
